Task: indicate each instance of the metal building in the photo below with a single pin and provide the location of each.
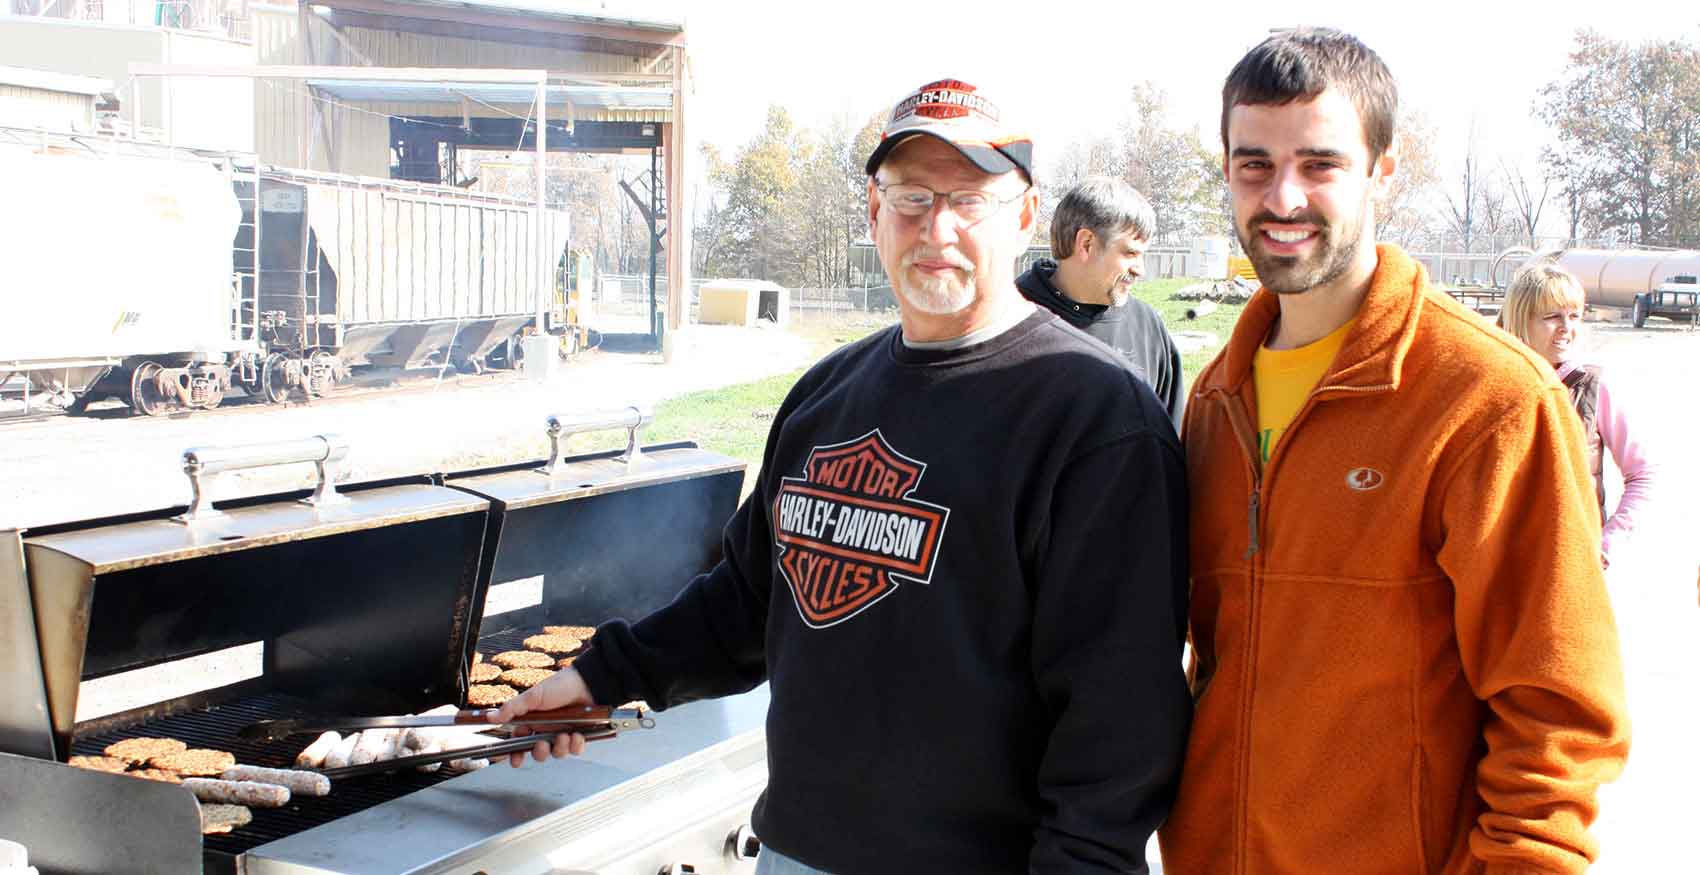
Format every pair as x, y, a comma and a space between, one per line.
614, 84
51, 101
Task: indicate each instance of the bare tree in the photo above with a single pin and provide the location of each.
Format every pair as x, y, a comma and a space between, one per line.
1527, 198
1495, 217
1462, 205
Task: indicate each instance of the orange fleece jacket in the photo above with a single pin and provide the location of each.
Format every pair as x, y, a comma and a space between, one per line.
1405, 661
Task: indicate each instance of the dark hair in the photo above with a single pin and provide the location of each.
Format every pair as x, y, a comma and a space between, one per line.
1104, 205
1302, 63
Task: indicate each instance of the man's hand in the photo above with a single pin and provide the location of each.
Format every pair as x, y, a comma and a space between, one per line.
564, 688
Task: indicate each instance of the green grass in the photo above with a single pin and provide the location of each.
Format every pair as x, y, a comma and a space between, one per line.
1220, 323
735, 420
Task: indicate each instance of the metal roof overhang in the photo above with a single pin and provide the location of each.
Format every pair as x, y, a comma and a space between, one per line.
549, 9
497, 94
518, 17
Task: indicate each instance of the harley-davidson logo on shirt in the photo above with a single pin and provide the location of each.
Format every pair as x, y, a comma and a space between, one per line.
850, 529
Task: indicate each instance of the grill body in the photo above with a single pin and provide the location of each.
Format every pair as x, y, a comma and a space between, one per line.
373, 607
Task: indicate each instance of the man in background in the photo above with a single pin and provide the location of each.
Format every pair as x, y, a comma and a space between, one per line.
1098, 239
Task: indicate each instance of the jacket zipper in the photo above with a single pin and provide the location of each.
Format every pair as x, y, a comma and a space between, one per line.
1248, 443
1251, 547
1241, 424
1247, 437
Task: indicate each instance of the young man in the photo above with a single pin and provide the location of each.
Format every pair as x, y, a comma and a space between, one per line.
1405, 658
1098, 239
973, 665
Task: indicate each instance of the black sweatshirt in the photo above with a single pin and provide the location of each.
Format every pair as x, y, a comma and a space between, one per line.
964, 574
1134, 330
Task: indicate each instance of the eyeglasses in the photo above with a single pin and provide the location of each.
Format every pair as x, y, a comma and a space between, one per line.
970, 205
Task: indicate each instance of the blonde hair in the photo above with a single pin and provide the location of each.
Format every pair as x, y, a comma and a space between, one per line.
1536, 290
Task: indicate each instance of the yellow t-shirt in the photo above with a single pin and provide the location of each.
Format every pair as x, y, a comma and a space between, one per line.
1283, 379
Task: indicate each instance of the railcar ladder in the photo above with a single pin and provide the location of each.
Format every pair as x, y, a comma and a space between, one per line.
245, 320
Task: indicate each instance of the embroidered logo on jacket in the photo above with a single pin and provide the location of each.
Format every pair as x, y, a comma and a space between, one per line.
1364, 479
850, 529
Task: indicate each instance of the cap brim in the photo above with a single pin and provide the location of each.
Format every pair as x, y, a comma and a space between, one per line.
985, 157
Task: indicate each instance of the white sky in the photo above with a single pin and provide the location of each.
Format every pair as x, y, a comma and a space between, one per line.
1066, 65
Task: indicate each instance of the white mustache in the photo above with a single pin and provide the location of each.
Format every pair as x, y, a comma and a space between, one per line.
917, 254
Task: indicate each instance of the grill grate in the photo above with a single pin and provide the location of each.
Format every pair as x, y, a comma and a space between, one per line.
216, 728
496, 642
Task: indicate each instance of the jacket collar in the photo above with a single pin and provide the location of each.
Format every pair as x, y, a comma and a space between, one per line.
1373, 355
1039, 285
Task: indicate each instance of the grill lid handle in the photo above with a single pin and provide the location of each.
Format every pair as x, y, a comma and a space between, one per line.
203, 464
563, 425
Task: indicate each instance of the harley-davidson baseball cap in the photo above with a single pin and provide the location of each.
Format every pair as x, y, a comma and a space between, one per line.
955, 112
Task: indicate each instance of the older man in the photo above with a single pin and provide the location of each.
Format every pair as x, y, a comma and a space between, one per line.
1098, 238
973, 666
1406, 661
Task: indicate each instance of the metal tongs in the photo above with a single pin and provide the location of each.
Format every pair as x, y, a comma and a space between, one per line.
594, 722
573, 718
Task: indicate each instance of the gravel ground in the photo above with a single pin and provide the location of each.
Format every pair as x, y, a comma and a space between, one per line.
1645, 815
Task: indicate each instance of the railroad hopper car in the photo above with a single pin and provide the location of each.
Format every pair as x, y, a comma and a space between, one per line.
168, 276
360, 271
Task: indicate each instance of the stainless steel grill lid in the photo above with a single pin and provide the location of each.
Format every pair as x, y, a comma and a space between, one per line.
24, 724
362, 601
599, 536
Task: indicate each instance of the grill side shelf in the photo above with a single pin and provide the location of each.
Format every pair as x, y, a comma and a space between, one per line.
79, 821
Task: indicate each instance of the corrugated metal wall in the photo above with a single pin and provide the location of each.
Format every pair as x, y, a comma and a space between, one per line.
413, 258
277, 128
359, 134
25, 107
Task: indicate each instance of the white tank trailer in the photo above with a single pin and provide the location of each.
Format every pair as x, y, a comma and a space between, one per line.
1643, 282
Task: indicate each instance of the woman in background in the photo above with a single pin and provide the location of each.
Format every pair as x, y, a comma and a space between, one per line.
1543, 308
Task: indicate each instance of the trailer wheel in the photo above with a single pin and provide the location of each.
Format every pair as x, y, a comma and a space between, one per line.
1638, 311
145, 397
274, 382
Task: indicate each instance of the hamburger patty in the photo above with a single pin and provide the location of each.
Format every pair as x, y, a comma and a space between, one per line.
140, 750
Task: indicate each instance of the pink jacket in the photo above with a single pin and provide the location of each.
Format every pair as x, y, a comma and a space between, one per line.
1630, 454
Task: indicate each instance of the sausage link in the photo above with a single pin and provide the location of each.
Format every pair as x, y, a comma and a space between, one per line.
300, 783
340, 753
313, 756
249, 793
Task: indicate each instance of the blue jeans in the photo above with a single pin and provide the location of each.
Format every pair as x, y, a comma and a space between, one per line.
771, 862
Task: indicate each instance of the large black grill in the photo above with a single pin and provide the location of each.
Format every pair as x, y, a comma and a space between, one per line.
217, 728
371, 606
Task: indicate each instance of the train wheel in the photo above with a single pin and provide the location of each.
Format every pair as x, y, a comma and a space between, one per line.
274, 383
211, 396
320, 377
145, 397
